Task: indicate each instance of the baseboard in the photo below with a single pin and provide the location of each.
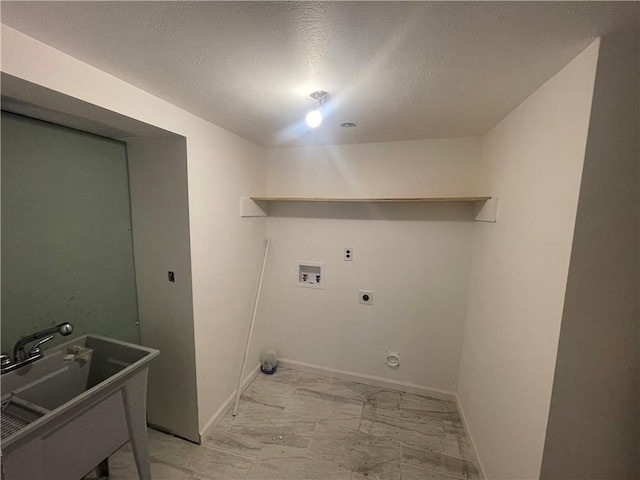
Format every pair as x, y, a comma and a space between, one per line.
368, 379
470, 435
228, 403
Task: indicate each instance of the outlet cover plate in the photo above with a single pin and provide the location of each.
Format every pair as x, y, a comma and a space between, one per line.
365, 297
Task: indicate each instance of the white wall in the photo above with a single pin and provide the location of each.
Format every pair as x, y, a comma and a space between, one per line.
446, 167
225, 249
414, 257
592, 431
532, 160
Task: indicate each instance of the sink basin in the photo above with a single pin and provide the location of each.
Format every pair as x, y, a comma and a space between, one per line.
91, 389
75, 369
17, 378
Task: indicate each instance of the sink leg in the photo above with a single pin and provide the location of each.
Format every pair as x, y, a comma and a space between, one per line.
135, 403
102, 470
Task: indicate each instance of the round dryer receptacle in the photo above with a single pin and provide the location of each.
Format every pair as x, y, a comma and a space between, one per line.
392, 359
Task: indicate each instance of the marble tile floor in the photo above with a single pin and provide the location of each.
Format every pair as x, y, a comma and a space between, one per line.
299, 426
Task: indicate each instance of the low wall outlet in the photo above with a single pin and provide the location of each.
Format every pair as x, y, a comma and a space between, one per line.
365, 297
392, 359
348, 254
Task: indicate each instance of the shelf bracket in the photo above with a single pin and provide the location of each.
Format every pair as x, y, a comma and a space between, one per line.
486, 211
251, 208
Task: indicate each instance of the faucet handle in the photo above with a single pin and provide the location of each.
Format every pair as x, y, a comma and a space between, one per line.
35, 350
5, 360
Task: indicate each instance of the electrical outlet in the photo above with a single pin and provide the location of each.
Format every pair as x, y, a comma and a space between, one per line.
348, 254
365, 297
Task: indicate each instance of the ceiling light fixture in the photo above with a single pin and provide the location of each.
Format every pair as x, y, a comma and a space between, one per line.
314, 117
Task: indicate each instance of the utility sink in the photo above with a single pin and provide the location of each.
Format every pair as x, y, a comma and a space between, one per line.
65, 413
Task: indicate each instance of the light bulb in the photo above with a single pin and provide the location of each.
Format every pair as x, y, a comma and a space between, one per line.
313, 118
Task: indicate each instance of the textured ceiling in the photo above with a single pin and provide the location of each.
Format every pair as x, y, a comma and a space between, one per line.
400, 70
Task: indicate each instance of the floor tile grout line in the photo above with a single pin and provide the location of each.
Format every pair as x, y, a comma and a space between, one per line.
362, 397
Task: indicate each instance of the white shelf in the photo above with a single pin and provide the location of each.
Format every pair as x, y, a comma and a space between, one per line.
371, 200
485, 207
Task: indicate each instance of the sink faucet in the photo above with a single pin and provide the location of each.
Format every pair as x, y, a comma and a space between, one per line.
21, 357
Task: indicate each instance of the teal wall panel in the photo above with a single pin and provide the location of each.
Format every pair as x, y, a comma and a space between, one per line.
67, 251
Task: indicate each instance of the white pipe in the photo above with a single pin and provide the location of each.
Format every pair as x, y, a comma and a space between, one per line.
253, 319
